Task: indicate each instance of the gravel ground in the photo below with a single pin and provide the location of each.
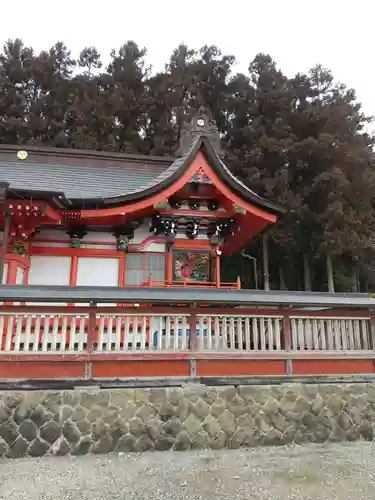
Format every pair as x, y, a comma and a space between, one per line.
335, 471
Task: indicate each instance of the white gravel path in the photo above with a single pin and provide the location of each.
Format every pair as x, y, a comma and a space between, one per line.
335, 471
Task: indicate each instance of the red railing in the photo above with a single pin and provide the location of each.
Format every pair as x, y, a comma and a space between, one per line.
52, 341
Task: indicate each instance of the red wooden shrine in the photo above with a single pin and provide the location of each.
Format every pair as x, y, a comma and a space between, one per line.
123, 254
88, 218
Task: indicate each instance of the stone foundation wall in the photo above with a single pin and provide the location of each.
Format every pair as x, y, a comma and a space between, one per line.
76, 422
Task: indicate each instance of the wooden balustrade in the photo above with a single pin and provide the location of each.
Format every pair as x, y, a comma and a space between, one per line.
67, 330
51, 341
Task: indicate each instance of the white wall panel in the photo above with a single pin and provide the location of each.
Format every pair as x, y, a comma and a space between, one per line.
5, 275
19, 276
142, 232
97, 271
102, 237
52, 234
48, 270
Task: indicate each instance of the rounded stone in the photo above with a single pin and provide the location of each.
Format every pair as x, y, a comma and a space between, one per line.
271, 406
70, 398
154, 428
141, 395
28, 430
79, 413
182, 410
19, 448
193, 393
158, 397
97, 398
104, 445
366, 430
38, 448
84, 427
3, 448
110, 415
182, 442
210, 395
4, 414
201, 409
99, 429
228, 393
63, 414
335, 404
218, 407
167, 411
21, 413
143, 444
172, 427
136, 426
146, 413
52, 401
227, 422
200, 440
61, 447
50, 431
128, 411
175, 394
9, 431
272, 437
95, 413
71, 432
192, 424
301, 405
218, 442
237, 439
40, 415
13, 400
211, 426
165, 442
83, 447
121, 398
126, 444
237, 406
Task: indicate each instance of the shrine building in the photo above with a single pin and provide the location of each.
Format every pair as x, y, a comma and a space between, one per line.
110, 271
74, 217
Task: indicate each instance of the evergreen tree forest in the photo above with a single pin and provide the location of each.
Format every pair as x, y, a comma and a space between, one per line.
300, 140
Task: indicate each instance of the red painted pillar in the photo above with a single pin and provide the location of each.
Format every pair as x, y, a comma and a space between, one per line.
121, 271
169, 266
217, 270
12, 272
73, 271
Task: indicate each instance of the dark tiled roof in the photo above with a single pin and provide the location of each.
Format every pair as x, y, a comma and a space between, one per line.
88, 177
80, 176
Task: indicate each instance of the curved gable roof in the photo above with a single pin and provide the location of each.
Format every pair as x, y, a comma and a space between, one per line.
83, 178
181, 165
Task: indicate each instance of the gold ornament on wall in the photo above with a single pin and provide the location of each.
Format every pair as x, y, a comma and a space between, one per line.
22, 155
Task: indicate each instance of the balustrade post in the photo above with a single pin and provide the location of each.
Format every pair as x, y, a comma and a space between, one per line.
91, 332
287, 342
372, 332
193, 343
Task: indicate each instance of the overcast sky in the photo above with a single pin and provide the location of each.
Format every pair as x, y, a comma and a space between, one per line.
297, 34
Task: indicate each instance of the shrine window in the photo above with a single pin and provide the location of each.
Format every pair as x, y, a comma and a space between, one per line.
140, 266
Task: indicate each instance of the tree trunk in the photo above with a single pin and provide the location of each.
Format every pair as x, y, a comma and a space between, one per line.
331, 284
306, 273
266, 274
282, 279
355, 280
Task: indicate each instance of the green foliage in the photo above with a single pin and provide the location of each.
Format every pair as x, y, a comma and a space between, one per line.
298, 140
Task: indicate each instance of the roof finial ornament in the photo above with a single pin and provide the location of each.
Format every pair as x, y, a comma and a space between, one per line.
201, 124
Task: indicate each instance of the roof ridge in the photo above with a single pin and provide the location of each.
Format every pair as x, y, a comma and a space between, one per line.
83, 153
